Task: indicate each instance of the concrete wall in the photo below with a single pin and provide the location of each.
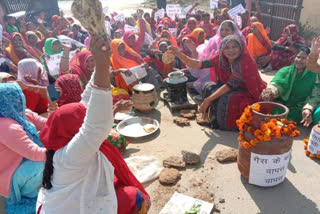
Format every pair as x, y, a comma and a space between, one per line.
311, 13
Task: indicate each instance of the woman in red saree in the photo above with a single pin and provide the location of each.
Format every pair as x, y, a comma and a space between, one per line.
18, 49
65, 123
284, 50
83, 64
235, 84
259, 45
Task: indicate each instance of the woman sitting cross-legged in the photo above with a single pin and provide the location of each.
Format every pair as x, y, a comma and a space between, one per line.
296, 87
21, 152
80, 167
235, 84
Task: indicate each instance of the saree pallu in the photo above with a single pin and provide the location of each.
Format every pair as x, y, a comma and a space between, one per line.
224, 112
25, 185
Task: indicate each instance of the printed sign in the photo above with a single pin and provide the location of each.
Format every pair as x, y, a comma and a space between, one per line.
180, 203
120, 17
148, 39
159, 14
233, 13
213, 4
314, 143
108, 27
173, 31
268, 170
68, 40
140, 71
173, 10
106, 10
130, 28
185, 10
53, 62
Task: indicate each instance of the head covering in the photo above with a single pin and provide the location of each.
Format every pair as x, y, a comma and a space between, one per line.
14, 55
119, 61
28, 33
48, 46
207, 50
78, 65
54, 19
126, 36
65, 123
244, 68
71, 89
294, 31
196, 34
31, 67
171, 39
13, 105
186, 29
5, 76
257, 40
182, 48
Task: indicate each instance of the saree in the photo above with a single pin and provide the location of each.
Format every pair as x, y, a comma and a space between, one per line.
259, 43
12, 53
242, 78
119, 61
131, 195
27, 178
281, 59
78, 66
294, 88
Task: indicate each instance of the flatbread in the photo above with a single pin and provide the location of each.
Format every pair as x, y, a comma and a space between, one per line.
149, 128
167, 58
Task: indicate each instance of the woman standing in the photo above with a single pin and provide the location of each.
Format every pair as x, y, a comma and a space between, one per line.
236, 82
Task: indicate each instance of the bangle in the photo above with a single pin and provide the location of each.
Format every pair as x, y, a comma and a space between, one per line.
100, 88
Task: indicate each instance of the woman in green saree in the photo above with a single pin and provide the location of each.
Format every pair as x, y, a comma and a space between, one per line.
296, 87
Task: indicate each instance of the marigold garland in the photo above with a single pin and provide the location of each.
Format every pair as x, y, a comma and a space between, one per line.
269, 130
306, 141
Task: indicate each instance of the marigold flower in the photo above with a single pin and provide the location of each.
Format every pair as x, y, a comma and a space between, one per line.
285, 131
306, 141
318, 155
274, 120
305, 147
253, 143
312, 155
307, 152
256, 107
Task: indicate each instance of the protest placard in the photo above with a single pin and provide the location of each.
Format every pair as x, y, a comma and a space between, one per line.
140, 71
173, 10
130, 28
180, 203
120, 17
53, 62
68, 40
268, 170
159, 14
314, 143
233, 13
213, 4
106, 10
173, 31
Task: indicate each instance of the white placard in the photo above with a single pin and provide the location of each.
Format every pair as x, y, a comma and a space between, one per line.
148, 39
130, 28
1, 34
173, 31
213, 4
106, 10
17, 15
68, 40
159, 14
173, 10
53, 62
185, 10
2, 60
314, 143
179, 204
120, 17
108, 27
268, 170
139, 70
236, 10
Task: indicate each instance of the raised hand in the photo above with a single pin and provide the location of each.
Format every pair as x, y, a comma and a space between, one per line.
315, 45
